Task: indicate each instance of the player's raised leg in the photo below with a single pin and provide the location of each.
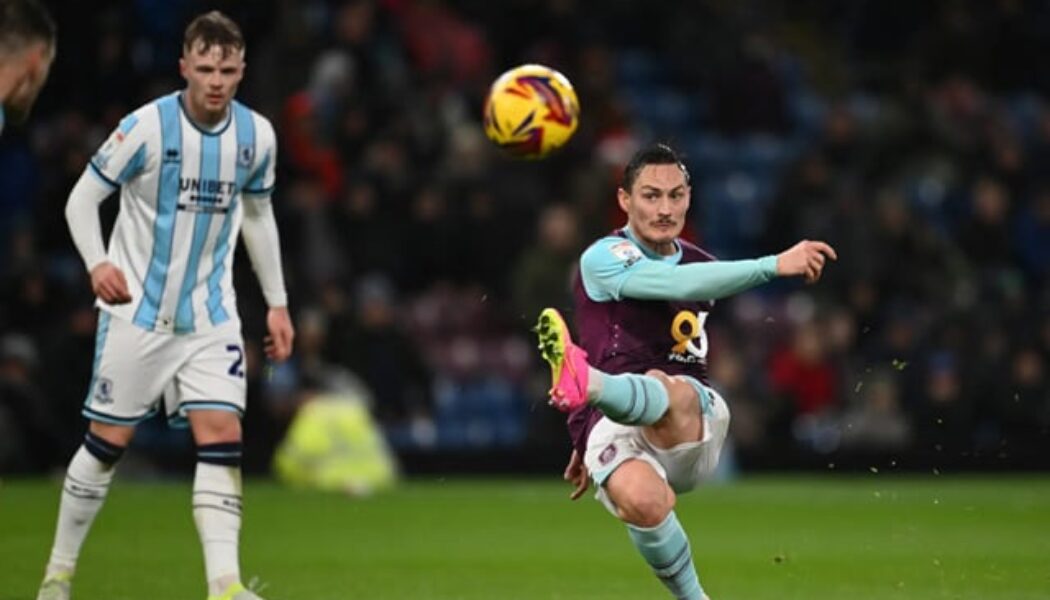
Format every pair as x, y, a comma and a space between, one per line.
669, 410
645, 503
628, 398
683, 422
217, 500
83, 492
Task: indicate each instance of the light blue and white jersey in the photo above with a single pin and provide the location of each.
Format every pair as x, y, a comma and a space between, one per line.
180, 210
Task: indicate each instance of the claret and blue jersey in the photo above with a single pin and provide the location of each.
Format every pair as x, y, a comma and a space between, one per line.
629, 330
180, 214
636, 310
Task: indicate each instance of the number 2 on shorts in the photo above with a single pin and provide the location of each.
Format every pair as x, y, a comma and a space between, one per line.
235, 368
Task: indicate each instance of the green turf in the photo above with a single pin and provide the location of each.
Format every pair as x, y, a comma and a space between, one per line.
856, 538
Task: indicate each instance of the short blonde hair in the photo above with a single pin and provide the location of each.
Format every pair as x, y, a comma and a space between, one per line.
213, 29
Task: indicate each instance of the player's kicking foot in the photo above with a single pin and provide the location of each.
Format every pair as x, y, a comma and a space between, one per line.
55, 587
569, 368
236, 591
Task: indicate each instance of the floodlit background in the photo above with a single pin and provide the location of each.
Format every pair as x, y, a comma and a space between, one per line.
914, 137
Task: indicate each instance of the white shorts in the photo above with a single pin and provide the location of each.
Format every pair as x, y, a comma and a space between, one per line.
134, 369
683, 467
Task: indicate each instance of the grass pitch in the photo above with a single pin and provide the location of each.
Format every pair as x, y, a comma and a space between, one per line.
873, 537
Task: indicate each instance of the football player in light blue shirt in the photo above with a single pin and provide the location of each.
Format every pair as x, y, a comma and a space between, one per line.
194, 170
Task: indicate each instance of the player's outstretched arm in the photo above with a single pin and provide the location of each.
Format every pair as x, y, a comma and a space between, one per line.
805, 258
613, 268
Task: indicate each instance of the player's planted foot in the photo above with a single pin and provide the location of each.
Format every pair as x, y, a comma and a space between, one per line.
236, 591
569, 368
55, 587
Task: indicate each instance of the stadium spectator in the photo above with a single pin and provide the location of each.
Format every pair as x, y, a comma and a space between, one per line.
375, 348
541, 277
874, 422
803, 374
30, 437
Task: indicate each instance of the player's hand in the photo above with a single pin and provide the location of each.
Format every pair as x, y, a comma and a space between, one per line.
278, 344
109, 284
805, 258
576, 474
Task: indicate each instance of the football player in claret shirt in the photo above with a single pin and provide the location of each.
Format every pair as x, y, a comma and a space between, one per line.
645, 422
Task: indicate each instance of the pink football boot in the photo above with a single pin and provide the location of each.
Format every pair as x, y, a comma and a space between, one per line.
569, 368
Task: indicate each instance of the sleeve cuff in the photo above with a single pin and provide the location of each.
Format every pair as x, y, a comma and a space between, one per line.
276, 299
91, 263
768, 266
257, 193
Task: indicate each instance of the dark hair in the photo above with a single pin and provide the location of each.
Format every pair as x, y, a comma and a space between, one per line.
653, 154
213, 29
24, 21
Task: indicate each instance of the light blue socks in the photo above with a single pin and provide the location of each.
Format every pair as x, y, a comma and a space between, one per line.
630, 399
666, 549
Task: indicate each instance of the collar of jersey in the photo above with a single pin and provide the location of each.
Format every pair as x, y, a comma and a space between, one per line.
203, 131
649, 253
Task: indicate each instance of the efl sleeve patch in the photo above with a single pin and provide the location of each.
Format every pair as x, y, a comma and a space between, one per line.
123, 155
626, 252
606, 264
108, 149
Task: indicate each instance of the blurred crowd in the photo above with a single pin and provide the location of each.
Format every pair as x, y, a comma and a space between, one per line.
915, 139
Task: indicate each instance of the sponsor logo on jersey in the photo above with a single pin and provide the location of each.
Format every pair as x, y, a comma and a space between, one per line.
207, 187
687, 329
206, 195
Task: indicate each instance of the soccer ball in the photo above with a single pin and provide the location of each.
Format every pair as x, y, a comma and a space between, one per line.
530, 111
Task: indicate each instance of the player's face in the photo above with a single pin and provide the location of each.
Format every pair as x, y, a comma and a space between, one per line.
656, 204
38, 59
212, 76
